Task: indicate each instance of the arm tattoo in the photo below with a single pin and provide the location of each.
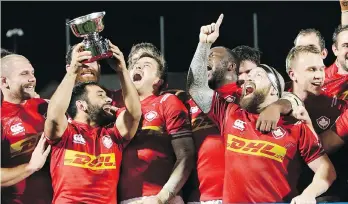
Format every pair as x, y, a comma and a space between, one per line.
197, 79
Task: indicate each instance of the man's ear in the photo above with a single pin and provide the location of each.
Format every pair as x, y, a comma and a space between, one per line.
67, 67
81, 105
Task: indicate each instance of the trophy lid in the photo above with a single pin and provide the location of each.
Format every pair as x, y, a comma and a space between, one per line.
87, 24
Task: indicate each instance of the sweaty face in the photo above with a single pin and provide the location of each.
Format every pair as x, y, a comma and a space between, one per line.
341, 50
308, 72
21, 81
256, 88
216, 66
144, 74
89, 72
309, 39
245, 67
99, 106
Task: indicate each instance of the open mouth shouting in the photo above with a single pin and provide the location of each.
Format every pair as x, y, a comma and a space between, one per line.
137, 76
29, 88
248, 88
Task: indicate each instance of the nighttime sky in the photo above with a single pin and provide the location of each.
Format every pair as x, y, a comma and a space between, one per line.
127, 23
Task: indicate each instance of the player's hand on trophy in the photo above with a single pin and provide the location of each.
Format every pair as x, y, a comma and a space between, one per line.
77, 57
117, 62
39, 155
210, 33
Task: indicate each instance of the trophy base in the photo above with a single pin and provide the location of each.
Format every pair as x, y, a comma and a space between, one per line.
99, 57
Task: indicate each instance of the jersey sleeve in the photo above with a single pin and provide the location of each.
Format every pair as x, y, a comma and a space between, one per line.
62, 140
176, 116
341, 126
309, 145
218, 110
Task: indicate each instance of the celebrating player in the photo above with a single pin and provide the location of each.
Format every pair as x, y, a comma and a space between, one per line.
271, 158
158, 161
87, 153
22, 124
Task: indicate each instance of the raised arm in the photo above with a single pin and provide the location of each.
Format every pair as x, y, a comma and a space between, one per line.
56, 121
344, 12
197, 78
128, 121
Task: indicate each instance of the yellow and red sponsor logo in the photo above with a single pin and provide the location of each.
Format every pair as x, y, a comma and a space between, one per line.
84, 160
24, 146
256, 147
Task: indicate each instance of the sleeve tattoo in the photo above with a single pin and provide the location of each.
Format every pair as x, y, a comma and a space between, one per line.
197, 78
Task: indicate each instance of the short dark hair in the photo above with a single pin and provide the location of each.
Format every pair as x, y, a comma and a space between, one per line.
233, 58
79, 93
309, 31
244, 52
5, 52
338, 30
151, 51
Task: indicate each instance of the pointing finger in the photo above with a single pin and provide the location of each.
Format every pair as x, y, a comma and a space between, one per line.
218, 22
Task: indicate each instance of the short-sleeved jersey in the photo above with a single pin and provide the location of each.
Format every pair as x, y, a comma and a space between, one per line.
261, 167
207, 179
324, 110
335, 83
85, 164
149, 158
230, 92
341, 126
21, 129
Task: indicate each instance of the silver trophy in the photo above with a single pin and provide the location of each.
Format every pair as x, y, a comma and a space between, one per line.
88, 27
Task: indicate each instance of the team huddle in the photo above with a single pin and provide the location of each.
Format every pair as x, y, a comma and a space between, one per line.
238, 134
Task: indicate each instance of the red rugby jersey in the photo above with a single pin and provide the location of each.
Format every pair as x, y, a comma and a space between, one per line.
207, 184
341, 126
261, 167
85, 164
21, 129
335, 84
230, 92
149, 159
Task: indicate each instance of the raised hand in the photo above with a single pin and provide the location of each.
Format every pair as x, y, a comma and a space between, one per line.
210, 33
77, 56
117, 62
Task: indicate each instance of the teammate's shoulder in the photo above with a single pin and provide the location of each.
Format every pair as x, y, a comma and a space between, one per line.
180, 94
37, 101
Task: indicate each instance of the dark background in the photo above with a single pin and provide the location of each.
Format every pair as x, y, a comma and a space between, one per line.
127, 23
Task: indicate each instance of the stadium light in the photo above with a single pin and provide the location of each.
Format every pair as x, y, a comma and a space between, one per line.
16, 32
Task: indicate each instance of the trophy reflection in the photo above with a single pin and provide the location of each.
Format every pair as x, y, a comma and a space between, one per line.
89, 27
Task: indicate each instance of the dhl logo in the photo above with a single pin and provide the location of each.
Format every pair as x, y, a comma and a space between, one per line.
24, 146
84, 160
256, 147
200, 123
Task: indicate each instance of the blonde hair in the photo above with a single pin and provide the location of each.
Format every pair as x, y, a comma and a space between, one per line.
296, 51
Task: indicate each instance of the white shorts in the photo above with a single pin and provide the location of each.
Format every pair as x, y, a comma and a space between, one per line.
207, 202
175, 200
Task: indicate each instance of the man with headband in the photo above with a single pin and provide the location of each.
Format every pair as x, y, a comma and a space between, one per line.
271, 159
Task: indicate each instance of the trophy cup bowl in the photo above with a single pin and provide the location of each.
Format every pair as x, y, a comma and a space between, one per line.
89, 27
